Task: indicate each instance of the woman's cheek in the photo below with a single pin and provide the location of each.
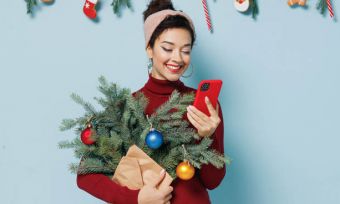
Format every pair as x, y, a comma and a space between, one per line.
187, 60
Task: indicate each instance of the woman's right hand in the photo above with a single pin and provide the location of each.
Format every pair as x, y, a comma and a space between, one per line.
149, 194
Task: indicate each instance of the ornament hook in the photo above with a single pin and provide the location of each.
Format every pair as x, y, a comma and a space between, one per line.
147, 116
88, 121
185, 153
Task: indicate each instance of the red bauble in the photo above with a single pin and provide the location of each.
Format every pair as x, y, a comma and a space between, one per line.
86, 136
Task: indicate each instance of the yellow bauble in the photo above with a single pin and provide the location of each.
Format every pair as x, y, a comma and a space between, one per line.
185, 171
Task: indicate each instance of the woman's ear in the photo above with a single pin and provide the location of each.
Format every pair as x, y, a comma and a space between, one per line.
149, 51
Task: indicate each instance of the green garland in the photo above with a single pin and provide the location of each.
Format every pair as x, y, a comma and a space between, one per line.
254, 9
30, 4
122, 123
118, 4
321, 6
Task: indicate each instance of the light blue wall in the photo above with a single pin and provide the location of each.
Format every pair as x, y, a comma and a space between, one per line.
280, 96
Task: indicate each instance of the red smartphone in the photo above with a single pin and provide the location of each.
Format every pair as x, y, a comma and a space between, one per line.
210, 88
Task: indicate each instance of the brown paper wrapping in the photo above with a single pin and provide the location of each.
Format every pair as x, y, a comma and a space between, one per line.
137, 169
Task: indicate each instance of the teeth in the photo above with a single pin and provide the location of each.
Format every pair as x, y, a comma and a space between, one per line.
173, 67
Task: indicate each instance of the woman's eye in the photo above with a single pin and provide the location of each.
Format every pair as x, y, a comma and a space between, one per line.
186, 52
166, 50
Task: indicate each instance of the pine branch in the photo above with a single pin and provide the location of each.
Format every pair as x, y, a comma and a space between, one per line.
321, 6
68, 145
30, 4
138, 109
67, 124
73, 167
87, 106
128, 4
212, 157
91, 165
122, 123
254, 9
167, 106
118, 4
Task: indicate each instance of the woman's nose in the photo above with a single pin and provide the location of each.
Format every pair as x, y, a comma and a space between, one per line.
177, 57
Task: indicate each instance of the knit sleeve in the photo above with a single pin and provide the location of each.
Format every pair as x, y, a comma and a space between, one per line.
211, 176
102, 187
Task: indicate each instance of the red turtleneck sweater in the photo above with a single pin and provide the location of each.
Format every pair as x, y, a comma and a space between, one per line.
185, 192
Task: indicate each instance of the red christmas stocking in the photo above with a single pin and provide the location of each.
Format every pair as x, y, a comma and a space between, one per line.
89, 8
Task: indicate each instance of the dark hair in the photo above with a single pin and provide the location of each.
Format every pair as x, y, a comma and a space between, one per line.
176, 21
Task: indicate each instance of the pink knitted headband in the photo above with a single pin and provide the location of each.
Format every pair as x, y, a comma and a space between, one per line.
155, 19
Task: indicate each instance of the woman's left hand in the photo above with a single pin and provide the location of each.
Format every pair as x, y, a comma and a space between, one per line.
204, 124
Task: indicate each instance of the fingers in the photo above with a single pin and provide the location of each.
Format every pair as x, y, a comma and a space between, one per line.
193, 121
197, 112
211, 109
159, 179
206, 125
166, 194
199, 122
194, 116
214, 114
168, 198
168, 190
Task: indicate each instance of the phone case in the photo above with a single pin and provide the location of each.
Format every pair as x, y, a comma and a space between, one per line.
210, 88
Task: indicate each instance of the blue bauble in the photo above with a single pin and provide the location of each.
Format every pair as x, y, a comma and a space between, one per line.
154, 139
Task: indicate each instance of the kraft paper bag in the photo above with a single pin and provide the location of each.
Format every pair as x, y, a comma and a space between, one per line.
128, 173
137, 169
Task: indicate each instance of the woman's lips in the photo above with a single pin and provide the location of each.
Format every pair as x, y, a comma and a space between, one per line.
173, 68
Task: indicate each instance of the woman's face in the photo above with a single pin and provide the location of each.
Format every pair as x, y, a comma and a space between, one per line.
170, 54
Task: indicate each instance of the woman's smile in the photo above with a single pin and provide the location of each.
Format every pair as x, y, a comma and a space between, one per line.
173, 68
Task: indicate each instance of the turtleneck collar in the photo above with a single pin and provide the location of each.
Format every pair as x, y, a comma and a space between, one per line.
162, 87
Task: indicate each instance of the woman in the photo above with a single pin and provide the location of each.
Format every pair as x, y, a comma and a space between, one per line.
169, 38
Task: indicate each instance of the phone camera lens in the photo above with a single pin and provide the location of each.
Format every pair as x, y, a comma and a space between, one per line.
205, 87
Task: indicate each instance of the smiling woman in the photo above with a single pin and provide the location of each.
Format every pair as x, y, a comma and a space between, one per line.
170, 54
169, 39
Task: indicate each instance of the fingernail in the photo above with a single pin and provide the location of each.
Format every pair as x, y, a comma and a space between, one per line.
206, 98
162, 172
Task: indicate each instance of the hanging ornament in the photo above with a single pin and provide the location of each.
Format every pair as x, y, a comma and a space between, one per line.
322, 4
330, 8
299, 2
89, 8
47, 1
185, 170
241, 5
245, 5
87, 134
207, 16
154, 139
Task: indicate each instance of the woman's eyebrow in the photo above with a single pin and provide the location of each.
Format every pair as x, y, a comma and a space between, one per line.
171, 43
